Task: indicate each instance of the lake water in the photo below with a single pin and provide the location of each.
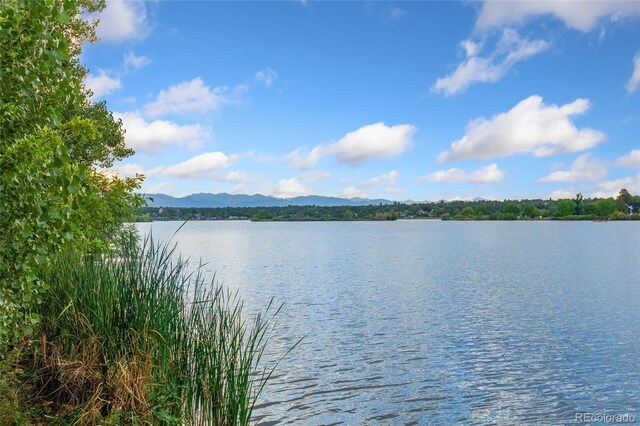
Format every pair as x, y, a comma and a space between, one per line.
430, 322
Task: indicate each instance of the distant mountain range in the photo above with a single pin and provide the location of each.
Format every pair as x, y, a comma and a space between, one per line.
256, 200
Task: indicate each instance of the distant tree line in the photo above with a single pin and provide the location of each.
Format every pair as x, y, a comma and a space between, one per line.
624, 207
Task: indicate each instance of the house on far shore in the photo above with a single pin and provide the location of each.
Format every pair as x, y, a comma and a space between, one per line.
633, 208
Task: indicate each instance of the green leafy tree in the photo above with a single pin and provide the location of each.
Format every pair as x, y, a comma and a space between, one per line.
467, 212
93, 136
37, 192
511, 208
566, 208
52, 142
623, 199
480, 210
41, 76
605, 207
531, 211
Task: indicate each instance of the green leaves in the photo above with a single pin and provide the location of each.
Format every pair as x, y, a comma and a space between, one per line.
38, 79
52, 138
62, 17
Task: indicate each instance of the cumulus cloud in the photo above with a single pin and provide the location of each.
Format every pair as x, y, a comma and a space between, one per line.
487, 174
202, 166
188, 96
611, 188
353, 192
510, 49
234, 176
128, 170
284, 188
561, 194
634, 80
529, 127
386, 179
300, 158
102, 84
157, 135
287, 188
582, 169
372, 142
266, 76
580, 15
136, 62
122, 20
630, 160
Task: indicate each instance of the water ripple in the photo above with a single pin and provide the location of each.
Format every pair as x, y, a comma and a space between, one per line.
428, 322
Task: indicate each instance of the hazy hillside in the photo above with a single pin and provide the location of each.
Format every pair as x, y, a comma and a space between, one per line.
257, 200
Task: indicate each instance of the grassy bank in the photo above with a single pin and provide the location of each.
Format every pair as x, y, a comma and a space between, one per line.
133, 338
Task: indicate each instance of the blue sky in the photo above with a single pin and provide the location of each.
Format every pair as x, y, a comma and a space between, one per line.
399, 100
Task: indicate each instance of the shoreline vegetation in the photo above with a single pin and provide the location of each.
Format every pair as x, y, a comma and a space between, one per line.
133, 336
624, 207
96, 325
132, 333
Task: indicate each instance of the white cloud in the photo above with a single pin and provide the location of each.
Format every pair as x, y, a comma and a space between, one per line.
300, 159
203, 166
267, 76
101, 84
582, 169
487, 174
447, 196
122, 20
372, 142
157, 135
386, 179
580, 15
136, 62
634, 80
287, 188
529, 127
284, 188
611, 188
446, 176
156, 188
259, 157
188, 96
630, 160
510, 49
128, 170
561, 194
353, 192
470, 47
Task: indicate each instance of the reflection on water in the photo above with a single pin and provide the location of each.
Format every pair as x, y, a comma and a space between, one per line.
419, 322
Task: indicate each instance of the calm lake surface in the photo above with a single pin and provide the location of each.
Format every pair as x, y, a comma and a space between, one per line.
430, 322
